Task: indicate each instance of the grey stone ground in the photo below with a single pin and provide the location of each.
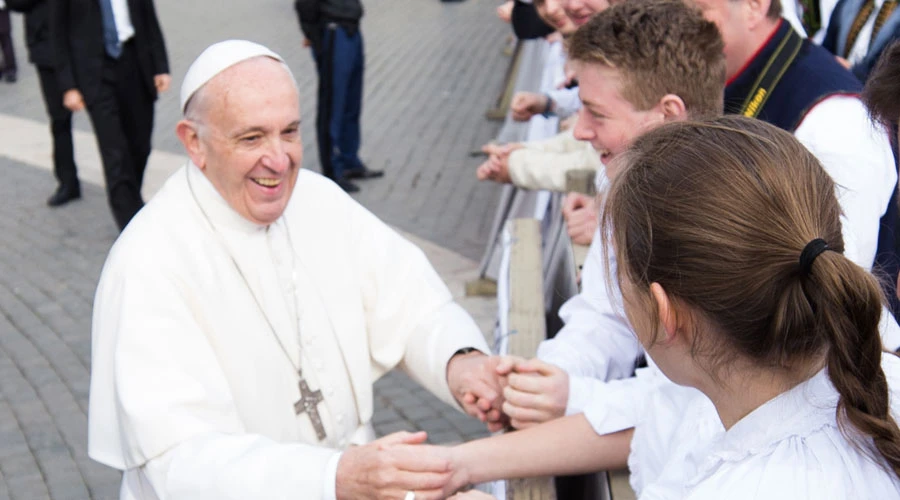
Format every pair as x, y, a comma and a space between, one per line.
433, 69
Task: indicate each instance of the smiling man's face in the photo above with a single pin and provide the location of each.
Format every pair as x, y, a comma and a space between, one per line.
250, 139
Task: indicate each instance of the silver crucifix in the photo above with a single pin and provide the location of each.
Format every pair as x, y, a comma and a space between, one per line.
308, 403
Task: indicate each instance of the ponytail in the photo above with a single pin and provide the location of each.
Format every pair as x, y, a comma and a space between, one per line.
847, 304
736, 218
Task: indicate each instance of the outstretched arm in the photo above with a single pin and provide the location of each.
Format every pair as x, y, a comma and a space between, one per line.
564, 446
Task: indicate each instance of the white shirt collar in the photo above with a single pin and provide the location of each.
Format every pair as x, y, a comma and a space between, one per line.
799, 412
220, 213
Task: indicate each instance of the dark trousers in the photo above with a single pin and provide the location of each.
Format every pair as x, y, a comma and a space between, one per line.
60, 128
340, 63
122, 116
6, 43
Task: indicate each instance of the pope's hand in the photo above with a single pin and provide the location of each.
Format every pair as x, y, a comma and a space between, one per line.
580, 212
524, 105
475, 383
391, 466
535, 392
73, 100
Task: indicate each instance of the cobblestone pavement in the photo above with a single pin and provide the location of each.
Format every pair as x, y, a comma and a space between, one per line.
433, 69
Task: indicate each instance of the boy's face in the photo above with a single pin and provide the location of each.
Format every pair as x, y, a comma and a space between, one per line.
607, 120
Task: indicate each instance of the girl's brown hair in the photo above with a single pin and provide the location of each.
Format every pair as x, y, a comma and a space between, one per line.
718, 212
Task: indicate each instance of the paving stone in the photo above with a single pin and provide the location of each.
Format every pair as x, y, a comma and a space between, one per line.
436, 424
385, 416
445, 438
418, 412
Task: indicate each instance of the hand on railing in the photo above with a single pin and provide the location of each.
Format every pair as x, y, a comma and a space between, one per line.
535, 391
580, 212
496, 167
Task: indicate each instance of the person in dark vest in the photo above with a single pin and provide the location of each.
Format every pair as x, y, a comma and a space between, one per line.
331, 28
776, 75
882, 96
40, 53
859, 30
111, 59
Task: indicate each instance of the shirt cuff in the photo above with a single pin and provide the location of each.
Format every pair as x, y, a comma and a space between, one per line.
579, 394
612, 406
329, 491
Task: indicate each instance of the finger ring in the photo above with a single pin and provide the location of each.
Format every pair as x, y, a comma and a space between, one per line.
410, 495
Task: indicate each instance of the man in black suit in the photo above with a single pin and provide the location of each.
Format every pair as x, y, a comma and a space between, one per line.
40, 53
6, 45
111, 58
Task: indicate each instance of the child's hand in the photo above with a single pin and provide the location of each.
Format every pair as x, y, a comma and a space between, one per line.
535, 392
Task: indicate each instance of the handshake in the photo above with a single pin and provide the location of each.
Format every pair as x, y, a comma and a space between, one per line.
502, 392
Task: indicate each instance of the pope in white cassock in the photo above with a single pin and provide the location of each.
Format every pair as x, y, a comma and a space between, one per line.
243, 315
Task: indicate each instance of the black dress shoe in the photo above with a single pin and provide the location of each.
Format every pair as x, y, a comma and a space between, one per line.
63, 195
347, 186
10, 77
363, 173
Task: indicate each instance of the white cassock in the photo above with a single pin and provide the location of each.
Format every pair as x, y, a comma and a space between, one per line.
191, 393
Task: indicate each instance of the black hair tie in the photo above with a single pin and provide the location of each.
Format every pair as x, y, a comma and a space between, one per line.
812, 250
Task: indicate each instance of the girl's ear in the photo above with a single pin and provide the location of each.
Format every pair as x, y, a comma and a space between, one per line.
667, 314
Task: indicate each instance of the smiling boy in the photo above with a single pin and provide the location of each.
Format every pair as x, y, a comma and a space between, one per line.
639, 64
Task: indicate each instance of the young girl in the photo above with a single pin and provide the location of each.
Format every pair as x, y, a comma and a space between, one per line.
728, 240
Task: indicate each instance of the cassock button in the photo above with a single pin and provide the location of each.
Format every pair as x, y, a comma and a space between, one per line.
340, 419
319, 365
329, 391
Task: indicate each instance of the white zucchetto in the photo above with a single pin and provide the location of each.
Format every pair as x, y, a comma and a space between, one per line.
217, 58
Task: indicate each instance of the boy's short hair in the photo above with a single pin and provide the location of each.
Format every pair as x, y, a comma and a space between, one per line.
882, 92
660, 47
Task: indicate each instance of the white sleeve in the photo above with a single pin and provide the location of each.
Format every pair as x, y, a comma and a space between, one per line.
567, 101
218, 466
857, 154
534, 169
174, 408
596, 341
411, 318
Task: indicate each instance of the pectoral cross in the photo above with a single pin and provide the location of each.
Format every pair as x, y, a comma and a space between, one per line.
308, 403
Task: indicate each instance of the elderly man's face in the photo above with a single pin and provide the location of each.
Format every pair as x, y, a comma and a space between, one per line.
250, 146
730, 17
